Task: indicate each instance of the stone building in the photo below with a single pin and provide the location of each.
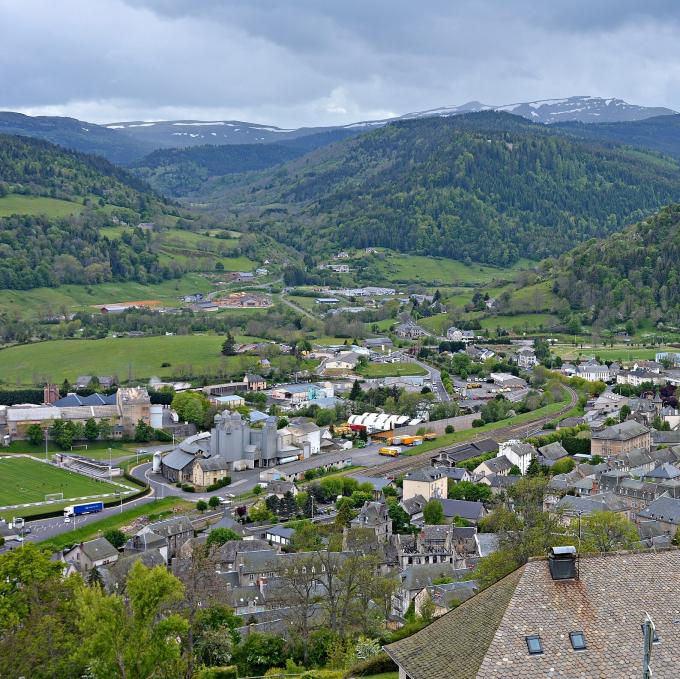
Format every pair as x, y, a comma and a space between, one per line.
620, 438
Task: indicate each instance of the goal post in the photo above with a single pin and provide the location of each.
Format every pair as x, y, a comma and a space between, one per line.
54, 496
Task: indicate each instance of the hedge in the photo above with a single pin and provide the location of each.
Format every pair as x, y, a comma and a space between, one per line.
229, 672
378, 664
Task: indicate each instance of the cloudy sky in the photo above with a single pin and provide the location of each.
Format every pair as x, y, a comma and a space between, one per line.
304, 62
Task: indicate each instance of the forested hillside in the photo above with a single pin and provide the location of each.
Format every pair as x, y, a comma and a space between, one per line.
634, 274
77, 135
40, 249
182, 171
487, 187
661, 133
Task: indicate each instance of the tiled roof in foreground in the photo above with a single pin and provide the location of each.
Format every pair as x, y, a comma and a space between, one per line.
484, 638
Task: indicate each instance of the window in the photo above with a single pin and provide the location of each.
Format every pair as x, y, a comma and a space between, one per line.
578, 641
534, 644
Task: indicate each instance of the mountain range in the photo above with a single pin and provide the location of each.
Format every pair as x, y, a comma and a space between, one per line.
127, 142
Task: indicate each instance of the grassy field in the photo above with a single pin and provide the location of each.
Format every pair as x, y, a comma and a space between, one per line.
158, 509
460, 436
15, 204
616, 353
46, 301
391, 370
25, 480
520, 322
142, 357
432, 270
97, 450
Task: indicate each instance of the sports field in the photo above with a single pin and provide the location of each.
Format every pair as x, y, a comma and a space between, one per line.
23, 480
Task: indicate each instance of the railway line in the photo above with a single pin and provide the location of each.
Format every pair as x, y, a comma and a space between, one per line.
408, 463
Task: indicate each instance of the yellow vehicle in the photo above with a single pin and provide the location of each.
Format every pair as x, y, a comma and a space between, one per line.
389, 451
430, 436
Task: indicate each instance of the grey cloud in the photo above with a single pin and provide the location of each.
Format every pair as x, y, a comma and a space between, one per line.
317, 62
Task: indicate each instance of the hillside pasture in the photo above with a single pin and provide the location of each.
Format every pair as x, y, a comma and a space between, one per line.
17, 204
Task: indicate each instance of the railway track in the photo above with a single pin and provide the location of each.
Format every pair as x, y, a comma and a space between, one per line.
408, 463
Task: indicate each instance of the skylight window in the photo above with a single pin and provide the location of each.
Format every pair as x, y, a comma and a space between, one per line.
656, 639
534, 644
578, 641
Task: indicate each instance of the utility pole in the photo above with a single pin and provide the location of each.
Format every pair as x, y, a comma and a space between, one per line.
46, 444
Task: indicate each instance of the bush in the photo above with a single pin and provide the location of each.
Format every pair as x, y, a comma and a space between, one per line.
218, 673
478, 423
378, 664
220, 484
188, 488
450, 429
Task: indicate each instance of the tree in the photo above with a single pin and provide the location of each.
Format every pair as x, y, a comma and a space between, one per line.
344, 516
356, 393
191, 406
133, 636
306, 538
37, 608
624, 413
259, 512
563, 466
143, 432
257, 490
214, 502
92, 429
260, 651
606, 532
201, 505
218, 536
534, 468
104, 430
515, 471
433, 513
34, 435
229, 346
116, 537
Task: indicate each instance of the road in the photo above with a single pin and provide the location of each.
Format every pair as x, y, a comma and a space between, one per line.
407, 463
297, 308
436, 379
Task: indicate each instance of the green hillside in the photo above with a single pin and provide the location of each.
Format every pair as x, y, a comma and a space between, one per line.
634, 274
487, 187
54, 208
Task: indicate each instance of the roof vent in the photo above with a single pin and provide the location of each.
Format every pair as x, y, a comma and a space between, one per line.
562, 563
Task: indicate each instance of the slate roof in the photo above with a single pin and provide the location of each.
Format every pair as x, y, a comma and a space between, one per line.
178, 459
414, 504
472, 511
664, 508
484, 638
603, 502
664, 471
425, 474
454, 645
497, 465
553, 451
213, 464
74, 400
281, 531
376, 482
621, 432
98, 549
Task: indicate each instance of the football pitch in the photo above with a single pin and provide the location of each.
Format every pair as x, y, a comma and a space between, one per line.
23, 480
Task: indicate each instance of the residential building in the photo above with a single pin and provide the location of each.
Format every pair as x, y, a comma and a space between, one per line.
526, 358
638, 377
409, 331
344, 362
549, 454
620, 438
167, 536
232, 402
518, 453
374, 516
428, 482
556, 618
593, 372
88, 555
496, 465
464, 509
279, 535
666, 511
254, 382
456, 335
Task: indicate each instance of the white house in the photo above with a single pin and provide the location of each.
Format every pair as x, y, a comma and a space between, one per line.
518, 453
593, 372
526, 358
456, 335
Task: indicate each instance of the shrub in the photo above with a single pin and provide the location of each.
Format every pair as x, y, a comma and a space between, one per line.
230, 672
220, 484
378, 664
450, 429
478, 423
188, 488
